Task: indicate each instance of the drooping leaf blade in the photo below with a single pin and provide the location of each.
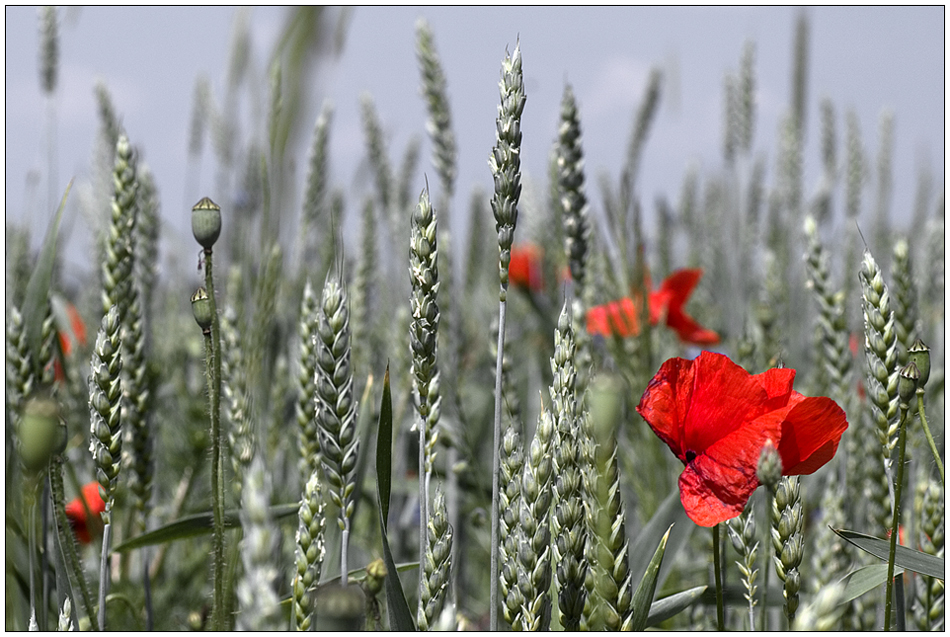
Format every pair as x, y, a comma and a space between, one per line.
37, 289
400, 617
909, 559
864, 579
195, 525
663, 609
643, 597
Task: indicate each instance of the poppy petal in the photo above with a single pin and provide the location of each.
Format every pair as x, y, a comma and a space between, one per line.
665, 403
712, 493
688, 330
720, 481
678, 286
810, 434
723, 398
616, 317
76, 511
777, 383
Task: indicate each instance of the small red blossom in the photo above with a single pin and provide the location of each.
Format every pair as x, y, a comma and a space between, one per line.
621, 317
716, 417
76, 512
76, 329
524, 269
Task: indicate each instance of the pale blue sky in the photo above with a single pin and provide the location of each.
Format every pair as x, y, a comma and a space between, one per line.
865, 59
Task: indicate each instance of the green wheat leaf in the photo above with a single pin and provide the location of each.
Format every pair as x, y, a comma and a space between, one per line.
643, 598
400, 617
663, 609
909, 559
195, 525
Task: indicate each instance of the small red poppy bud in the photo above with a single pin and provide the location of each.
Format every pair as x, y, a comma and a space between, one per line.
206, 222
920, 356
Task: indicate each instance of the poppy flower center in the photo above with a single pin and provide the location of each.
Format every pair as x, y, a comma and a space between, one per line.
690, 456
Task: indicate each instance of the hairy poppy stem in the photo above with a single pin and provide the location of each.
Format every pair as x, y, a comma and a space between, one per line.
901, 444
213, 362
717, 565
930, 438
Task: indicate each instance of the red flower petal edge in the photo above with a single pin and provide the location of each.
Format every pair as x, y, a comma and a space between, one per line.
76, 512
621, 317
524, 268
716, 417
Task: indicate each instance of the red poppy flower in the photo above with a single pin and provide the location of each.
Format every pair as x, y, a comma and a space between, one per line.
76, 512
716, 417
621, 317
76, 329
524, 269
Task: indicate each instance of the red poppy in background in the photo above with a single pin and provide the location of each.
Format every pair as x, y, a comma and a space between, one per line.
77, 329
621, 317
76, 512
524, 269
716, 417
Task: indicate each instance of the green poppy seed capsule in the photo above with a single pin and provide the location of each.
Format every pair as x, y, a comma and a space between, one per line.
920, 356
201, 306
206, 222
39, 433
375, 574
907, 383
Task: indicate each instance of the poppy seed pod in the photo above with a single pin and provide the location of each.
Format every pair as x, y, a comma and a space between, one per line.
920, 356
41, 433
375, 575
907, 383
201, 306
206, 222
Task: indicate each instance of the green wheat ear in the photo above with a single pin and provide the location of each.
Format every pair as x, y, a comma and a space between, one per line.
534, 553
505, 161
105, 395
568, 524
310, 551
256, 592
439, 124
437, 565
788, 542
336, 405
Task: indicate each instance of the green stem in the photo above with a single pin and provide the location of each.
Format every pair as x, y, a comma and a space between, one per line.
104, 573
930, 438
344, 548
213, 363
75, 574
31, 539
767, 544
496, 470
43, 620
901, 444
717, 566
423, 503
